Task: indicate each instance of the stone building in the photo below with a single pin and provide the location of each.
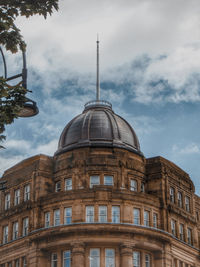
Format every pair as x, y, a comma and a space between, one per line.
98, 202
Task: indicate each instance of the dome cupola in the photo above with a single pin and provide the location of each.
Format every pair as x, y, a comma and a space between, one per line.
98, 126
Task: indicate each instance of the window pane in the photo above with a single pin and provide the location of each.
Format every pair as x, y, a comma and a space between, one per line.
90, 214
56, 217
94, 257
115, 214
136, 216
173, 227
147, 260
155, 220
102, 214
94, 180
68, 184
17, 197
26, 192
146, 218
108, 180
136, 259
47, 219
58, 186
54, 260
171, 192
68, 216
25, 226
110, 258
133, 185
67, 258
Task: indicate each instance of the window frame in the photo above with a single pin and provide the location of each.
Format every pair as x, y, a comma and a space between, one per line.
137, 259
27, 192
67, 216
89, 212
180, 199
134, 185
17, 197
68, 187
136, 217
92, 184
172, 194
116, 215
103, 208
54, 262
146, 219
98, 257
107, 177
7, 201
15, 229
25, 226
56, 217
107, 258
67, 257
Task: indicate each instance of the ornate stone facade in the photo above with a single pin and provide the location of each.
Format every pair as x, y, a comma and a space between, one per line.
98, 206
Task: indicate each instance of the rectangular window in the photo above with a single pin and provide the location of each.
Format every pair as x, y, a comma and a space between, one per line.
181, 232
25, 226
17, 263
17, 197
189, 236
15, 230
171, 194
58, 186
136, 216
47, 219
136, 259
90, 214
94, 180
68, 216
94, 257
54, 260
108, 180
27, 192
5, 234
7, 201
187, 204
56, 217
155, 220
102, 214
147, 260
24, 262
134, 185
109, 257
180, 200
146, 218
115, 214
173, 227
68, 184
67, 258
10, 264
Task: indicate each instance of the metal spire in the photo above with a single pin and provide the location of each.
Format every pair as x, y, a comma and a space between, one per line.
98, 83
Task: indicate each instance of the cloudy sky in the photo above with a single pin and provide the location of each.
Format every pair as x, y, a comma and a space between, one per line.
150, 71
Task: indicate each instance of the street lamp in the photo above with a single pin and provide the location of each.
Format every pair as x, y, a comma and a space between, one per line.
30, 108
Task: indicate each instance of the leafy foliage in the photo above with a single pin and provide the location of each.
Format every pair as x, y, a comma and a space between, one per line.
12, 98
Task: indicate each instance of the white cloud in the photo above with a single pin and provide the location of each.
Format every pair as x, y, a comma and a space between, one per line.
188, 149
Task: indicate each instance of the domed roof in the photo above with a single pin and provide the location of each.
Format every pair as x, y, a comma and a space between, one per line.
98, 126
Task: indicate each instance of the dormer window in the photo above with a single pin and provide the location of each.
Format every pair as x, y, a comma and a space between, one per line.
58, 186
108, 180
134, 185
171, 194
68, 184
27, 192
94, 180
7, 201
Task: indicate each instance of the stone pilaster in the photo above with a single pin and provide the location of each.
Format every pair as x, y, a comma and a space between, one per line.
78, 254
126, 252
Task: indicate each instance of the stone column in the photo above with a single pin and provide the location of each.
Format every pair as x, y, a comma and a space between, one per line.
126, 252
78, 254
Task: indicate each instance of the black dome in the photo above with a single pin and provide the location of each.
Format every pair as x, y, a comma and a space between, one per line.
98, 126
